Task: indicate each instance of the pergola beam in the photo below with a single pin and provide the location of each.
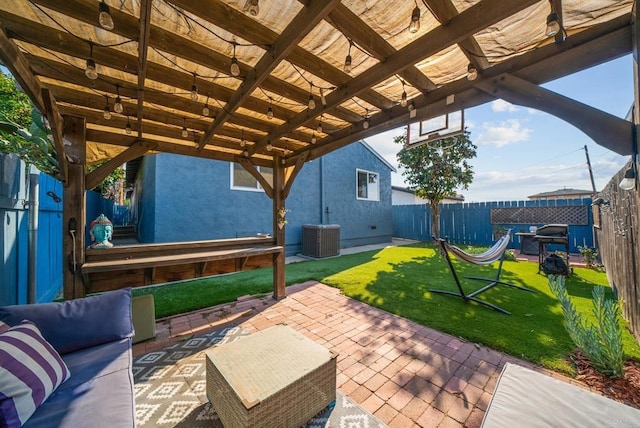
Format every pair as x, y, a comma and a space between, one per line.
470, 21
137, 149
238, 23
298, 28
353, 27
160, 39
143, 46
605, 129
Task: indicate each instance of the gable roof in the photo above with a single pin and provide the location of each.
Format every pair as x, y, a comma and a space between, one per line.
562, 192
378, 155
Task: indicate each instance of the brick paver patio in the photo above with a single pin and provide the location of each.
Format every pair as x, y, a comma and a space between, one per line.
402, 372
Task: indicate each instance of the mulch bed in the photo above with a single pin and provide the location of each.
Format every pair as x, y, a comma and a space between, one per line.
625, 389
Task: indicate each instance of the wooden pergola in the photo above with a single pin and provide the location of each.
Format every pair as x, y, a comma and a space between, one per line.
266, 83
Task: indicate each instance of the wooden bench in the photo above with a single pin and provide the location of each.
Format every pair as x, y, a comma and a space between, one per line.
137, 265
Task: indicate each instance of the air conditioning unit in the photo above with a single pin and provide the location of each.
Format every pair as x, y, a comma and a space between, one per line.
320, 240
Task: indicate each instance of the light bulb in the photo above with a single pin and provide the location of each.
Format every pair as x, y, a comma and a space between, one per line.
312, 102
104, 17
194, 92
319, 127
243, 142
107, 112
347, 64
366, 123
472, 73
553, 24
185, 133
117, 107
235, 68
269, 113
205, 110
252, 7
403, 99
246, 153
415, 20
90, 71
269, 147
127, 128
313, 139
629, 180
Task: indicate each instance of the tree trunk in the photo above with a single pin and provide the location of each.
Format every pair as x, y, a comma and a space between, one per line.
435, 219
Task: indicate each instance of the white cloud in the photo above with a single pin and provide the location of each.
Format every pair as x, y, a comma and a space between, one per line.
508, 132
500, 106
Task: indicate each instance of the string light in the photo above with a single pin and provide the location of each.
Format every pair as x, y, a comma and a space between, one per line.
553, 24
90, 71
319, 128
312, 101
347, 60
107, 111
104, 17
205, 109
472, 73
194, 89
185, 133
235, 68
270, 110
366, 123
313, 138
127, 128
403, 98
252, 7
323, 99
243, 142
246, 153
269, 147
414, 26
117, 107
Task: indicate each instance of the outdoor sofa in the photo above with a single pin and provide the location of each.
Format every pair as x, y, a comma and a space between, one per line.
92, 336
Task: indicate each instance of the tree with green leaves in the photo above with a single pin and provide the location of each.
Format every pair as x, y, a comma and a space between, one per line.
23, 130
435, 170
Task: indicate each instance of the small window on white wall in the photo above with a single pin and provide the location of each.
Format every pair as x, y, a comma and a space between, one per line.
242, 180
367, 185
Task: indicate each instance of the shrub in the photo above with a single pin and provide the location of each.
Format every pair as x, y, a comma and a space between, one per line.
602, 342
590, 255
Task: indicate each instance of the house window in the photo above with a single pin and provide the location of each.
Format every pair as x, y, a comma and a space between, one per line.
242, 180
367, 188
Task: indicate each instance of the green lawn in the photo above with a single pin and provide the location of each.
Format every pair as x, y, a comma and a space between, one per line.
398, 279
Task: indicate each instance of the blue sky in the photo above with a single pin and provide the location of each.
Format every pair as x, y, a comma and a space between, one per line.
522, 151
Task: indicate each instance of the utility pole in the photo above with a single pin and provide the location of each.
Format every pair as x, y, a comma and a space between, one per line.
593, 188
593, 183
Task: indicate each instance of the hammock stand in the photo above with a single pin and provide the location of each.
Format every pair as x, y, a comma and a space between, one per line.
493, 254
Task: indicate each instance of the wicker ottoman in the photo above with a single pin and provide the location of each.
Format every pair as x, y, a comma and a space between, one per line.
274, 378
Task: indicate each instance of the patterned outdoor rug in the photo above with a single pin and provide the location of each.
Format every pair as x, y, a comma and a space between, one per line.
170, 389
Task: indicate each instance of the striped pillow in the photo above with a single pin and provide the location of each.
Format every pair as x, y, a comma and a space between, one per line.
3, 327
30, 370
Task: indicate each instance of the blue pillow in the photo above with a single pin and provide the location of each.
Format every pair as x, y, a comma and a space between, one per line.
80, 323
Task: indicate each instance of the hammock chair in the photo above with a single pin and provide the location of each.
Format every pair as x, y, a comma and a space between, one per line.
493, 254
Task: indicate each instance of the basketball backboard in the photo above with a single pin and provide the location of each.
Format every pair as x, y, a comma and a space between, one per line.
437, 128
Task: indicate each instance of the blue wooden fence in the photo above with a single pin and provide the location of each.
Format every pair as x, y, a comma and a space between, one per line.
14, 232
470, 223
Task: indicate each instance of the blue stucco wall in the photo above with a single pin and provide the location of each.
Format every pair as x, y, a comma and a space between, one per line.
193, 200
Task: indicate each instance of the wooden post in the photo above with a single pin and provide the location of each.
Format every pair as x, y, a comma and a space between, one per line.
279, 280
74, 208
